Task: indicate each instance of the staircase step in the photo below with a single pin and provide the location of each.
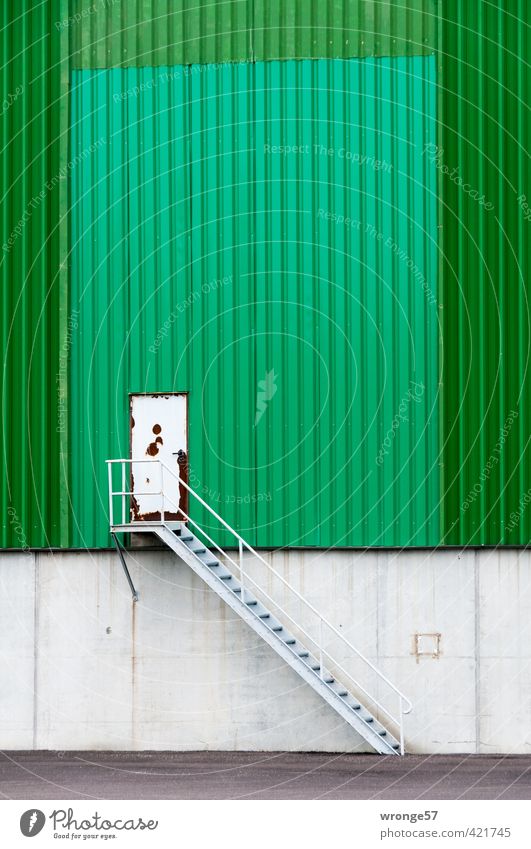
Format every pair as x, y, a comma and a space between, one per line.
369, 728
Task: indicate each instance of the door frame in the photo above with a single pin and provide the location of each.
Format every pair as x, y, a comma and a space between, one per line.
183, 470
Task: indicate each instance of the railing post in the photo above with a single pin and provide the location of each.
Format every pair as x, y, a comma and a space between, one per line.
240, 546
400, 707
123, 496
321, 647
111, 519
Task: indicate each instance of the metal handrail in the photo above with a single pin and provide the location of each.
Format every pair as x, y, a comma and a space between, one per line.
405, 705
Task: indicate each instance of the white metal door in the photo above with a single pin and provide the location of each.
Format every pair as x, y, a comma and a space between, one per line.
159, 430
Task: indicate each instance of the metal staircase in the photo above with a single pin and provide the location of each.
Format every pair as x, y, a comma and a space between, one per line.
308, 649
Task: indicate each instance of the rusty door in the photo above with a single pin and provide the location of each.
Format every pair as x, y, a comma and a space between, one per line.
159, 430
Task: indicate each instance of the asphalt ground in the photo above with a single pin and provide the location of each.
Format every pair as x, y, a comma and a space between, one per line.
260, 775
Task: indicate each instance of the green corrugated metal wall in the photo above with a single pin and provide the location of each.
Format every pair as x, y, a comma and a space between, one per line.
184, 187
34, 121
486, 226
113, 33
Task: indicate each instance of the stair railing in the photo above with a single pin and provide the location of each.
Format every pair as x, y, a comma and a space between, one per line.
247, 581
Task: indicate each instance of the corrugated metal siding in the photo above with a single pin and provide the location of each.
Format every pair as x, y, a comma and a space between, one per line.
126, 33
32, 280
181, 192
486, 136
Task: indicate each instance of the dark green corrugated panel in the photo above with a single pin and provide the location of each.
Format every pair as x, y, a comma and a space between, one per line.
343, 28
165, 32
487, 137
159, 32
32, 278
182, 190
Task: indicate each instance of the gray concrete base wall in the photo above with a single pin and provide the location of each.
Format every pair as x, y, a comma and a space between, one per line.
82, 667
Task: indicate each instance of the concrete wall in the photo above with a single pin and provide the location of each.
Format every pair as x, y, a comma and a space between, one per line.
83, 667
